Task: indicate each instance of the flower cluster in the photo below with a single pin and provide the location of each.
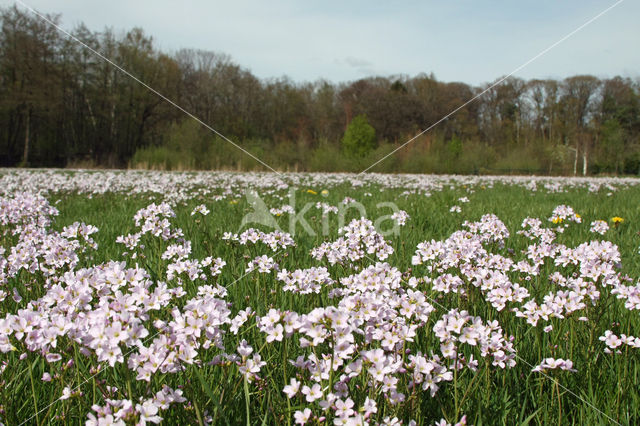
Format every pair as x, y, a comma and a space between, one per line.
305, 281
400, 217
458, 327
326, 208
599, 227
119, 412
613, 342
533, 230
275, 239
202, 209
279, 211
153, 221
490, 229
360, 239
563, 214
263, 264
23, 209
554, 364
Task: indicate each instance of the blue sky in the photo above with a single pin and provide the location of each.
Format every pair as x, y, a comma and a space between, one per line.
462, 40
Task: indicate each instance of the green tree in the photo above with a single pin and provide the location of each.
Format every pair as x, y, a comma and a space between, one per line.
612, 145
359, 138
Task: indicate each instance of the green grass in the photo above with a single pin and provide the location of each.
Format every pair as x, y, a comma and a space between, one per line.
490, 396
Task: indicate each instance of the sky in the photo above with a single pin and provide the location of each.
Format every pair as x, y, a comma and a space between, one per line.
473, 41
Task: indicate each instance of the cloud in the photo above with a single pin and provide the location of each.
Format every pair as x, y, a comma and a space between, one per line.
362, 66
357, 62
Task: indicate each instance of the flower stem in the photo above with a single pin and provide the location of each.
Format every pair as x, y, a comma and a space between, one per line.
246, 401
33, 394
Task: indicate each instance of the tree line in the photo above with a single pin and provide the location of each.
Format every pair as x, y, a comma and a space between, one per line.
61, 106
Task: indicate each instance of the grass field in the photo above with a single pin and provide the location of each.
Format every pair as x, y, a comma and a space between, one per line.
172, 310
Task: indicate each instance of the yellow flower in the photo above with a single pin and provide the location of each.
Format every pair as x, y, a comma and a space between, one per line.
233, 202
311, 191
617, 220
324, 192
557, 220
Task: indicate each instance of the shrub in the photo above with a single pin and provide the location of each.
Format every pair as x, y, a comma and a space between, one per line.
360, 138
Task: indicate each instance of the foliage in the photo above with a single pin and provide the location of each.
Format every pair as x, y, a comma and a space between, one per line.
612, 146
360, 138
62, 106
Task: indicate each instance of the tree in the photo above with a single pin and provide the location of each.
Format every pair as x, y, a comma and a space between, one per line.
326, 121
29, 75
577, 107
542, 96
359, 138
612, 145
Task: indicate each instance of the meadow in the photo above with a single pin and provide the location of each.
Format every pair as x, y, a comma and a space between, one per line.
132, 297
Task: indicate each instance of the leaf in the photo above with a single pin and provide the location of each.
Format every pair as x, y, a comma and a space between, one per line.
210, 394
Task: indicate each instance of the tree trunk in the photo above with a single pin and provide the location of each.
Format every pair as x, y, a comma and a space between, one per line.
25, 154
575, 162
584, 162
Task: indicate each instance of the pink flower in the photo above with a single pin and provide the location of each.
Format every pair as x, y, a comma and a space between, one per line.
302, 417
312, 393
292, 388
